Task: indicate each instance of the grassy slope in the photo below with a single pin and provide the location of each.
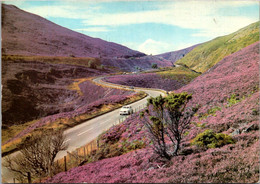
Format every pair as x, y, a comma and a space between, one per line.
180, 74
206, 55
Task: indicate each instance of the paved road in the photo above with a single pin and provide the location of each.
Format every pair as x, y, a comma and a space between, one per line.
85, 132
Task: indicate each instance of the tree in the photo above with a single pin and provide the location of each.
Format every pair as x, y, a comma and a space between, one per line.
37, 155
154, 65
169, 118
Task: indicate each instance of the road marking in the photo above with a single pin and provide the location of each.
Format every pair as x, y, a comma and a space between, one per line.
85, 131
105, 121
67, 140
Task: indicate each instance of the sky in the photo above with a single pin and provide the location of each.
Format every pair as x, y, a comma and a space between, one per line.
152, 27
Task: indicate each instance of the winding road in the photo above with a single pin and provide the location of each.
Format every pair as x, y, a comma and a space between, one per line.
84, 133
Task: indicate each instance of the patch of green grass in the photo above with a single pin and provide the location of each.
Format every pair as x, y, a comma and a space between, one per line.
211, 111
181, 74
234, 99
199, 124
206, 55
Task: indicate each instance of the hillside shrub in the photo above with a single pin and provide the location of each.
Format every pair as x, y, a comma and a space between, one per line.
169, 118
255, 112
211, 111
154, 65
210, 139
234, 98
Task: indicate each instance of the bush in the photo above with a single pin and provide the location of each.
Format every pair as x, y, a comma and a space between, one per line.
210, 139
255, 112
211, 111
169, 118
234, 98
154, 65
37, 155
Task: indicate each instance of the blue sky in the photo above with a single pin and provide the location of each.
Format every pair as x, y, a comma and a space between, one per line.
151, 27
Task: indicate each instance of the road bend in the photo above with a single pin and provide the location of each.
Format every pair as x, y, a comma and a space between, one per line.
85, 132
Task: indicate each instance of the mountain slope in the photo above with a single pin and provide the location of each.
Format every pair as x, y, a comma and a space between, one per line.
176, 55
235, 74
206, 55
24, 33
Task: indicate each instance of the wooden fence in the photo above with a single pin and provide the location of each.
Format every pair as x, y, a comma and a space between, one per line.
77, 157
80, 155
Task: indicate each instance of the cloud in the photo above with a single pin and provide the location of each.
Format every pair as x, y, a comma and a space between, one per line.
93, 29
154, 47
203, 16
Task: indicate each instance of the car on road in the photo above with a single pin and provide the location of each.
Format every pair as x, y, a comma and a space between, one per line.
131, 87
126, 110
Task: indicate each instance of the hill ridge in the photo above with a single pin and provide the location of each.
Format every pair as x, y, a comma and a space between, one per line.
26, 33
206, 55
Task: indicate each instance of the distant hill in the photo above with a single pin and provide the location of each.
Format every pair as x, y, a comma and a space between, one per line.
25, 33
206, 55
176, 55
135, 63
28, 34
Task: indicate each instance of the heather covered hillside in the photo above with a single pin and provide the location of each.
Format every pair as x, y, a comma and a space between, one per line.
206, 55
228, 96
146, 80
168, 79
40, 90
235, 74
24, 33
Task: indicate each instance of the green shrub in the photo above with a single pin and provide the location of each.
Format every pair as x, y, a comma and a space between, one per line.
233, 99
154, 65
255, 112
211, 111
214, 110
210, 139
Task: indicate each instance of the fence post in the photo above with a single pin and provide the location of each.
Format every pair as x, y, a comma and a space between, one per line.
78, 159
29, 177
97, 144
65, 164
84, 152
14, 180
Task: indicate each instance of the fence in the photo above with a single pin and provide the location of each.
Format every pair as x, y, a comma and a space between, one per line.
80, 155
77, 157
